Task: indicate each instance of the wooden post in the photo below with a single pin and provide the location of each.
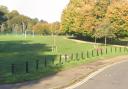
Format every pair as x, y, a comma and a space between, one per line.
13, 68
101, 52
87, 54
27, 70
92, 53
106, 51
115, 49
60, 59
120, 49
53, 60
65, 57
77, 56
124, 49
45, 61
72, 56
82, 55
97, 52
111, 49
37, 64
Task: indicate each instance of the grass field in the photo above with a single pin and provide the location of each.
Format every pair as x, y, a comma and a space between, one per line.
16, 49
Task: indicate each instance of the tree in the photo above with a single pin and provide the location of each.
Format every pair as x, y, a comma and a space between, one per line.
55, 27
97, 34
42, 28
118, 16
2, 28
12, 14
104, 31
77, 18
3, 13
82, 16
23, 22
15, 22
107, 31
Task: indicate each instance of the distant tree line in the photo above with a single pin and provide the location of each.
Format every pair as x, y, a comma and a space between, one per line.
14, 22
96, 18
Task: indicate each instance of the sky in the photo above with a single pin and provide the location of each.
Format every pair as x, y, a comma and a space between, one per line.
48, 10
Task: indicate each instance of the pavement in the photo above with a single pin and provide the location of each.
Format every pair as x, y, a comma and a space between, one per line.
81, 41
114, 77
65, 78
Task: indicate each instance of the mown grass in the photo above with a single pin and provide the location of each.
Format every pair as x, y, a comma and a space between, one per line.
16, 49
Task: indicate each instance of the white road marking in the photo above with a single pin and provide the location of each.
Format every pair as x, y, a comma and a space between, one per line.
93, 75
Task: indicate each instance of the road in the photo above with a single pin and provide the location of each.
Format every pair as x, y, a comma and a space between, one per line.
115, 77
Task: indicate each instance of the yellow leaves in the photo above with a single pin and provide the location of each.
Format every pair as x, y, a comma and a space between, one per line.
40, 26
84, 16
36, 27
118, 14
126, 18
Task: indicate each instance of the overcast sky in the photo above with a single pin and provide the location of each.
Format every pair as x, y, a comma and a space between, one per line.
49, 10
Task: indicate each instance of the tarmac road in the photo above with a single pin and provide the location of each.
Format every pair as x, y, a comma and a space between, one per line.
114, 77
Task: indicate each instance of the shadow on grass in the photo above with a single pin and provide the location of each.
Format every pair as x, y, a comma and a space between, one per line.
20, 52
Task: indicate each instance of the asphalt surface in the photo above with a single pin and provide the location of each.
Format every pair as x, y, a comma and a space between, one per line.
115, 77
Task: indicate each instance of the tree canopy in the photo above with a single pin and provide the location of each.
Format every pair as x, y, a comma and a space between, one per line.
14, 22
82, 17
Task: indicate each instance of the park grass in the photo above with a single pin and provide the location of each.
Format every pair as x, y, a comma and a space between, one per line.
16, 49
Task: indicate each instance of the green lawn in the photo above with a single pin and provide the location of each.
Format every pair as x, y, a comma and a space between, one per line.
37, 51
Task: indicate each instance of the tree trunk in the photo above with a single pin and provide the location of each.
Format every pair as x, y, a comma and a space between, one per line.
25, 34
33, 33
105, 40
95, 42
52, 35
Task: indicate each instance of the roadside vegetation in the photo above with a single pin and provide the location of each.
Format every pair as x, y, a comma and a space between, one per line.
31, 58
31, 48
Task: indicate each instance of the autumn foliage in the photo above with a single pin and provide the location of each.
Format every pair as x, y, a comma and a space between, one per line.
84, 17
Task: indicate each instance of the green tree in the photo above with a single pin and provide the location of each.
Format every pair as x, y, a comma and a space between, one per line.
3, 14
107, 31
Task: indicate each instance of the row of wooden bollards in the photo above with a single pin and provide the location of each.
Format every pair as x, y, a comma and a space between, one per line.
64, 58
67, 58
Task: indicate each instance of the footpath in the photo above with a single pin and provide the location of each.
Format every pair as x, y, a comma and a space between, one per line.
65, 78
